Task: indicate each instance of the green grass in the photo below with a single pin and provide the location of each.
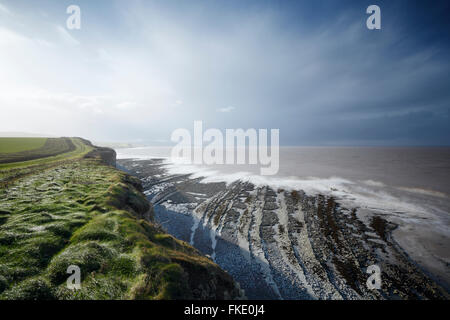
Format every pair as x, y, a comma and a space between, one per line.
81, 212
78, 150
13, 145
51, 148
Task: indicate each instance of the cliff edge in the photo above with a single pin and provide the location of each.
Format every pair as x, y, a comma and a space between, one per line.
83, 212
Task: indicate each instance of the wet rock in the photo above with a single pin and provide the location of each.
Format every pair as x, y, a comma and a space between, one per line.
286, 244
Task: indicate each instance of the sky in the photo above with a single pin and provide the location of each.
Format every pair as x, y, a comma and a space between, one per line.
138, 70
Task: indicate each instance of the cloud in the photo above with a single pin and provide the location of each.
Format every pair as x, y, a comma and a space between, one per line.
67, 37
5, 10
10, 37
126, 105
320, 75
44, 100
226, 109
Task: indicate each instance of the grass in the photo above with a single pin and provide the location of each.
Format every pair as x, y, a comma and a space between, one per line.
51, 147
77, 211
13, 145
54, 149
78, 150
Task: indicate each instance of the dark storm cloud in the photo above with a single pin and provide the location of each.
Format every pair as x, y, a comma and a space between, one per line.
340, 83
140, 69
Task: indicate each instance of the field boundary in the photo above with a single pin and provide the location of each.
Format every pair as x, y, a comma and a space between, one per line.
80, 148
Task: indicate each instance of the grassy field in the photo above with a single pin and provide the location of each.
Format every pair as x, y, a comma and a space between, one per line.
75, 210
51, 147
54, 150
13, 145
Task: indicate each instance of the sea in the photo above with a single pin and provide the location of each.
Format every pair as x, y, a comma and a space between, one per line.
387, 178
409, 186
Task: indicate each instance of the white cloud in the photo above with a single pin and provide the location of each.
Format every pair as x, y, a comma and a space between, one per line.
67, 37
41, 99
170, 69
104, 55
126, 105
44, 43
9, 37
5, 10
177, 103
226, 109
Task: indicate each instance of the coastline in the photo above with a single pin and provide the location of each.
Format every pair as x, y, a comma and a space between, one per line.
83, 211
212, 217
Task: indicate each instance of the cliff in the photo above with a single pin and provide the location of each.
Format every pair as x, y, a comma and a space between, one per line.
84, 212
107, 155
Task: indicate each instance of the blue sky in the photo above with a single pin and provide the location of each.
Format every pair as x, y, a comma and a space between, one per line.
137, 70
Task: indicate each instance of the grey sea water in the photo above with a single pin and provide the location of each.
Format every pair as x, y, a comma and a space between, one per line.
409, 172
409, 186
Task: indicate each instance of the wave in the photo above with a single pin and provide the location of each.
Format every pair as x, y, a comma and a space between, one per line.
425, 192
373, 183
367, 194
352, 193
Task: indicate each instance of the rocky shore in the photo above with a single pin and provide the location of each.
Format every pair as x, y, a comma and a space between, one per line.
283, 244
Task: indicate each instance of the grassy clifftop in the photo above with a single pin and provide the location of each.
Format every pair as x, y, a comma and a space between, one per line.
79, 211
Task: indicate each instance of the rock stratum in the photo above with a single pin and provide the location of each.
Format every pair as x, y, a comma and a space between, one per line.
281, 244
